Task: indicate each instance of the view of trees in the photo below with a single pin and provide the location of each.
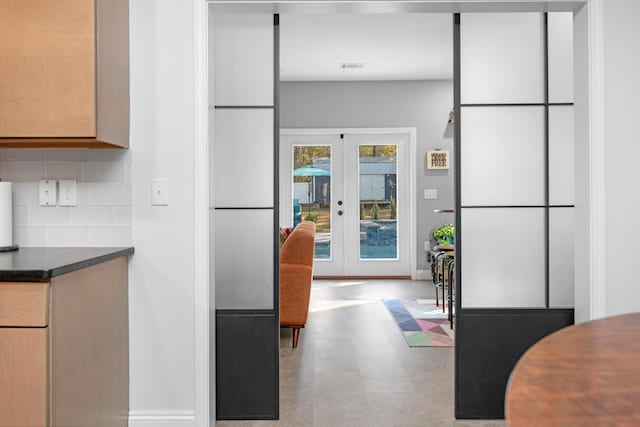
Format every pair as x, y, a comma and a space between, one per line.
303, 155
378, 150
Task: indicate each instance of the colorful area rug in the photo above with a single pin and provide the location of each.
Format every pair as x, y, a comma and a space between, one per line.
421, 322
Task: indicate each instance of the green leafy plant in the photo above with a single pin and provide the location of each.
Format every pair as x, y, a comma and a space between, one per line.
444, 235
311, 217
394, 213
375, 210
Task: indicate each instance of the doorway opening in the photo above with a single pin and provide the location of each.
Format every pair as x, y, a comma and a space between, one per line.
352, 149
341, 94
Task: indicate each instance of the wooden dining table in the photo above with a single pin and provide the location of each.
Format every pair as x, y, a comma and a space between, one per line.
583, 375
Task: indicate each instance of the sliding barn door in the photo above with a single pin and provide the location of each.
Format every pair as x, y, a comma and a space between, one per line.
244, 129
514, 195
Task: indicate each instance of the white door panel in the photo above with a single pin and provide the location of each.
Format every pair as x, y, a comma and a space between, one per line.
370, 246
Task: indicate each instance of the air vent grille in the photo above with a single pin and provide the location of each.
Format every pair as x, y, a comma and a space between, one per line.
352, 65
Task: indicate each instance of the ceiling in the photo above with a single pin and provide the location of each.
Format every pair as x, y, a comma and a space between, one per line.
391, 47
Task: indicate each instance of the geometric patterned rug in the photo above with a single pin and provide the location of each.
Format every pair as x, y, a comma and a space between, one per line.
421, 322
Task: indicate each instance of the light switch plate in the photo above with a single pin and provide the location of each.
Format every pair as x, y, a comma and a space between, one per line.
430, 194
47, 192
160, 192
68, 193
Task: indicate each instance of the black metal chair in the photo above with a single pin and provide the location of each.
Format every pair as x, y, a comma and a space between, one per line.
438, 275
451, 289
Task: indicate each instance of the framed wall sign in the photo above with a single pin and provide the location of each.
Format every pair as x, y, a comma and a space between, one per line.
438, 159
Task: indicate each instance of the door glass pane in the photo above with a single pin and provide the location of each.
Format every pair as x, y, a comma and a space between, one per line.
501, 57
377, 171
561, 57
561, 255
312, 192
503, 252
502, 155
241, 235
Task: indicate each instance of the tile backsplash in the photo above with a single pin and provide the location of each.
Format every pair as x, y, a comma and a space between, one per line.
102, 216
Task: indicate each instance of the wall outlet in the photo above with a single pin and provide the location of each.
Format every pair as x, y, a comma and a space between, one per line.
427, 245
430, 194
160, 192
68, 193
47, 192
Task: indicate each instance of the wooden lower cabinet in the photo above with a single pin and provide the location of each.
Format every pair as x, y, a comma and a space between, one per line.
74, 370
23, 377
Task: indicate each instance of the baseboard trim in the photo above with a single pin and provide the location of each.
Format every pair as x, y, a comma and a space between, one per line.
423, 274
168, 418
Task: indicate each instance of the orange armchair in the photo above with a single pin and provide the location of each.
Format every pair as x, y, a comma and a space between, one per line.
296, 273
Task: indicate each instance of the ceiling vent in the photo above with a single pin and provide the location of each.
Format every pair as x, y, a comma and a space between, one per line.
352, 65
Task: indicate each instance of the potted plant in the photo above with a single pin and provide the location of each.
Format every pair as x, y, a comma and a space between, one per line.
444, 235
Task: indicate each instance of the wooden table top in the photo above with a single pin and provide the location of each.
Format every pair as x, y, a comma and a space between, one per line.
583, 375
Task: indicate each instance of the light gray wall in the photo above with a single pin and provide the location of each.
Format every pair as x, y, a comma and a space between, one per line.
622, 174
582, 289
424, 105
617, 224
161, 275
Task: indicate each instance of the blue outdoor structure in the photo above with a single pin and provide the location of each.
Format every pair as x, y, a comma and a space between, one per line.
381, 166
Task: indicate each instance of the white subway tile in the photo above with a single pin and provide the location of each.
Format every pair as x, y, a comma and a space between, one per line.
109, 155
67, 236
29, 236
103, 172
122, 215
127, 172
19, 171
82, 193
92, 215
25, 193
22, 154
103, 216
19, 214
68, 154
110, 236
64, 170
50, 215
109, 194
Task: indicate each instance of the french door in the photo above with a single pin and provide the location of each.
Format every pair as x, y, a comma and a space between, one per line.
355, 187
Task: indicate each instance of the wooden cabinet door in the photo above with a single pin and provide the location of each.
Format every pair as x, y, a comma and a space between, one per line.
47, 68
23, 377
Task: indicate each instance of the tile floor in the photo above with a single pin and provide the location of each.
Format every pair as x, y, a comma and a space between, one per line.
353, 367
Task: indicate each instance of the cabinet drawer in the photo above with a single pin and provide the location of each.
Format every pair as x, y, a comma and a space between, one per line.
24, 304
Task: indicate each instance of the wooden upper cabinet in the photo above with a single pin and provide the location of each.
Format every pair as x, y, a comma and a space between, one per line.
64, 73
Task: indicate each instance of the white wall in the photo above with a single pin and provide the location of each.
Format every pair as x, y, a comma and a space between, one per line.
607, 130
421, 104
102, 216
582, 294
622, 136
162, 269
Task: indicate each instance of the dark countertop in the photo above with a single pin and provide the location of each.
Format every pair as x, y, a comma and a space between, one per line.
42, 264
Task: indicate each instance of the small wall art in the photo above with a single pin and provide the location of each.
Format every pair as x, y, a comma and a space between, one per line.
438, 159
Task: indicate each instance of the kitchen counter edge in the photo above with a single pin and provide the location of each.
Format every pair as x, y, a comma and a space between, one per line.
72, 259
